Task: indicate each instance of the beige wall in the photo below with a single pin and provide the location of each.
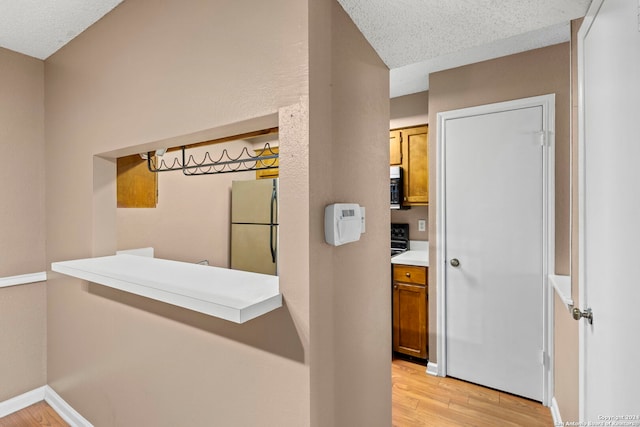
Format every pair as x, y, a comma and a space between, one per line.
349, 160
536, 72
361, 274
23, 339
407, 111
151, 71
22, 171
23, 307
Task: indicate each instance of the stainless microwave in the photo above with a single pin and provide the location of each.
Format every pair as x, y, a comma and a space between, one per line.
397, 186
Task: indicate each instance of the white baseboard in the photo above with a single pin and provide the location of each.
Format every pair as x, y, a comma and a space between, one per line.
432, 369
22, 401
46, 393
70, 415
555, 412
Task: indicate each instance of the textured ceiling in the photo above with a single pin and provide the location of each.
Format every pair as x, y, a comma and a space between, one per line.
39, 28
413, 37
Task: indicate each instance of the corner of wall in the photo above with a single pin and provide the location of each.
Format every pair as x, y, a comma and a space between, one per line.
22, 236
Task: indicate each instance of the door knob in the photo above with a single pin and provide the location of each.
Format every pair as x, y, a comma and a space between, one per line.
454, 262
587, 314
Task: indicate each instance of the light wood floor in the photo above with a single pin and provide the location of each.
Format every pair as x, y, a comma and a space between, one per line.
425, 400
418, 400
39, 414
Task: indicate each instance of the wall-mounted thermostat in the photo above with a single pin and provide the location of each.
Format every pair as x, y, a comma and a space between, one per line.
343, 223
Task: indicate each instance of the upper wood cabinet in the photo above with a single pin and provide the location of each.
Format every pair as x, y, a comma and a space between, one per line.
268, 173
395, 148
416, 178
409, 148
136, 186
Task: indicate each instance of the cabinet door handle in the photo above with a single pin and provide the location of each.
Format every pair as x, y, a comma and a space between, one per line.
395, 286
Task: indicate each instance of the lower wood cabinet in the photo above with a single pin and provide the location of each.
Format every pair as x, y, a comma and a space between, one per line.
410, 310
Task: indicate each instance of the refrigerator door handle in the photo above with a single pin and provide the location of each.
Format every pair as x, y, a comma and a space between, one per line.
273, 249
274, 205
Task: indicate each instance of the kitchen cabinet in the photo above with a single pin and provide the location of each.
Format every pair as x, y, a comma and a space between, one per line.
410, 310
136, 186
409, 148
395, 148
267, 173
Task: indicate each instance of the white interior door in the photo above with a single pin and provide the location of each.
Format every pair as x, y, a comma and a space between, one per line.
609, 67
494, 227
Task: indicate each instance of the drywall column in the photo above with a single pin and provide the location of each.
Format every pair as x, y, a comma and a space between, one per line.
349, 162
22, 247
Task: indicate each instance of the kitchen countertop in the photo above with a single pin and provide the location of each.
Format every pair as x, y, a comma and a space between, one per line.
418, 254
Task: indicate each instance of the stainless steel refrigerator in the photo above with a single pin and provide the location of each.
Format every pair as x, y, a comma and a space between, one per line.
254, 226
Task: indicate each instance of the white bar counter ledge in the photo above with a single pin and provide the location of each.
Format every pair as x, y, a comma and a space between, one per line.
237, 296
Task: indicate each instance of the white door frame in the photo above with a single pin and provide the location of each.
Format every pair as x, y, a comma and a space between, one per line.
547, 102
582, 34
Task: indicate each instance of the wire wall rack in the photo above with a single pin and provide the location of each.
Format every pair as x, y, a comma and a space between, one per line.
225, 163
